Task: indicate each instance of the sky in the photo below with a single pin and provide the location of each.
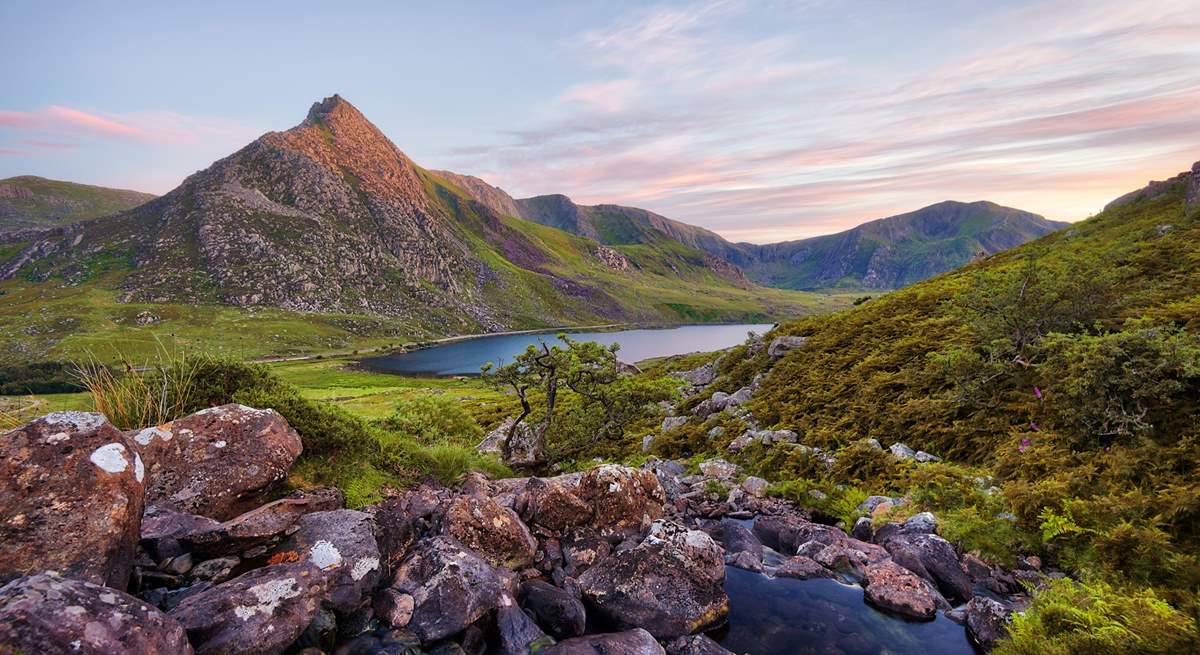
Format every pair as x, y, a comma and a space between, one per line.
762, 120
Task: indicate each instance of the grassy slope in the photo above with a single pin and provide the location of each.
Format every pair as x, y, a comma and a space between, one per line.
60, 203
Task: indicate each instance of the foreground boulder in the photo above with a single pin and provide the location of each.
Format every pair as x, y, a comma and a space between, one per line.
218, 462
259, 613
631, 642
451, 588
492, 530
671, 584
71, 488
342, 544
47, 613
893, 587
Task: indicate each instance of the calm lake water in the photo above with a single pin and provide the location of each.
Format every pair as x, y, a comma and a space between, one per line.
783, 616
465, 357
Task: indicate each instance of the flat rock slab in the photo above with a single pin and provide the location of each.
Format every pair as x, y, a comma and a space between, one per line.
47, 613
630, 642
893, 587
71, 489
218, 462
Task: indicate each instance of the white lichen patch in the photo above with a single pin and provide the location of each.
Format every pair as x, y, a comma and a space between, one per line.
57, 437
364, 566
144, 437
220, 444
269, 595
325, 555
81, 421
139, 469
110, 458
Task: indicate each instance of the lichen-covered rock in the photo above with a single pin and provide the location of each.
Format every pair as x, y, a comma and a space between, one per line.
902, 451
630, 642
47, 613
671, 584
342, 544
492, 530
259, 613
559, 612
451, 587
671, 422
893, 587
71, 489
219, 462
623, 499
698, 377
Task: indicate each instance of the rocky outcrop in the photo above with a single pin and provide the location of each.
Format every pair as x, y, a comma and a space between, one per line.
934, 559
47, 613
671, 584
218, 462
987, 621
71, 497
258, 613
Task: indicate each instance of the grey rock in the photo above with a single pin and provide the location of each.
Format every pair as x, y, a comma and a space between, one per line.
671, 422
781, 346
987, 621
718, 468
901, 451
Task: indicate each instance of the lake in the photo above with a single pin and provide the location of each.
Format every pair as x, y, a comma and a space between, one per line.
466, 356
782, 616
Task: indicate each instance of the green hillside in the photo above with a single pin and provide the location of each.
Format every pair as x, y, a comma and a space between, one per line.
28, 201
1061, 382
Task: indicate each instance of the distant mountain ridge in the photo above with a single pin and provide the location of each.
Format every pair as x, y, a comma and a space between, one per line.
31, 202
331, 217
886, 253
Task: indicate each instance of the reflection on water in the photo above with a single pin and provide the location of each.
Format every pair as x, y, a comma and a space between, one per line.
465, 357
783, 616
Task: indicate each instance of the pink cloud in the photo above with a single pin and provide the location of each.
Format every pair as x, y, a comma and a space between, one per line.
81, 120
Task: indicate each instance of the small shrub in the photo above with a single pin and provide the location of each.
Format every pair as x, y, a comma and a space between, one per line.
432, 419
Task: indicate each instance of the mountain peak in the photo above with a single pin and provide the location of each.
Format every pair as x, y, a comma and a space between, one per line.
333, 109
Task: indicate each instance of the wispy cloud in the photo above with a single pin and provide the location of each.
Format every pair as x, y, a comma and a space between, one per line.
713, 114
54, 126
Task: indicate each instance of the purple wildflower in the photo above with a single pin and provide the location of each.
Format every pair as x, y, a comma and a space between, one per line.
1037, 393
1034, 426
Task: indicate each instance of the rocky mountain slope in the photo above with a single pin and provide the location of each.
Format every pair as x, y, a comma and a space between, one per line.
29, 202
887, 253
331, 217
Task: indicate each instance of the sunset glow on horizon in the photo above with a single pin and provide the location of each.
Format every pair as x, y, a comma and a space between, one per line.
762, 121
